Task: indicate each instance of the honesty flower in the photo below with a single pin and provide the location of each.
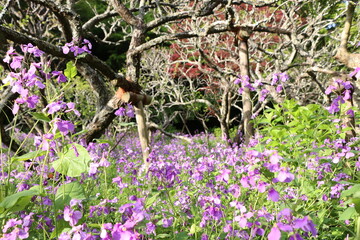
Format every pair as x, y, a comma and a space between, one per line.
64, 126
71, 47
329, 89
150, 228
120, 112
224, 175
274, 234
31, 49
18, 231
285, 176
263, 93
119, 232
60, 76
273, 195
16, 62
356, 72
72, 216
9, 52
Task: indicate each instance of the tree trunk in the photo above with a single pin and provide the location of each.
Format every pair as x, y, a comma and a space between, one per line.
225, 115
248, 127
133, 74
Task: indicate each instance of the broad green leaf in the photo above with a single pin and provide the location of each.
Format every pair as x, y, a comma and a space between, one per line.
27, 156
351, 191
72, 162
347, 214
40, 116
70, 70
356, 201
68, 191
18, 201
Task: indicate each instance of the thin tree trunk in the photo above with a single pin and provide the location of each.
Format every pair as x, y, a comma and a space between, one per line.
248, 128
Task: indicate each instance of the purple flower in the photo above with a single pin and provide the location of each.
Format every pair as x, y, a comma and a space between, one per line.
64, 236
66, 48
167, 222
16, 108
235, 190
305, 224
347, 94
11, 223
120, 112
16, 62
130, 112
104, 234
335, 105
70, 47
55, 107
31, 49
350, 112
60, 76
273, 195
355, 73
329, 89
347, 85
72, 216
32, 101
71, 108
224, 175
64, 126
119, 232
204, 237
285, 176
9, 52
150, 228
263, 93
275, 79
274, 234
283, 77
17, 232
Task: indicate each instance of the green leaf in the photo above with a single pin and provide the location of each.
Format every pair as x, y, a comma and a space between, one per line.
150, 201
4, 150
27, 156
356, 201
68, 191
195, 229
70, 70
61, 226
40, 116
347, 214
18, 201
181, 236
163, 235
72, 162
351, 191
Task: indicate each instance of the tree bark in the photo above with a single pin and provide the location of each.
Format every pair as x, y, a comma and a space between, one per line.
247, 126
351, 60
133, 69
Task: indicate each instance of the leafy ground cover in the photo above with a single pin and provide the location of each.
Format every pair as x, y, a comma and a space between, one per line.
297, 179
199, 190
